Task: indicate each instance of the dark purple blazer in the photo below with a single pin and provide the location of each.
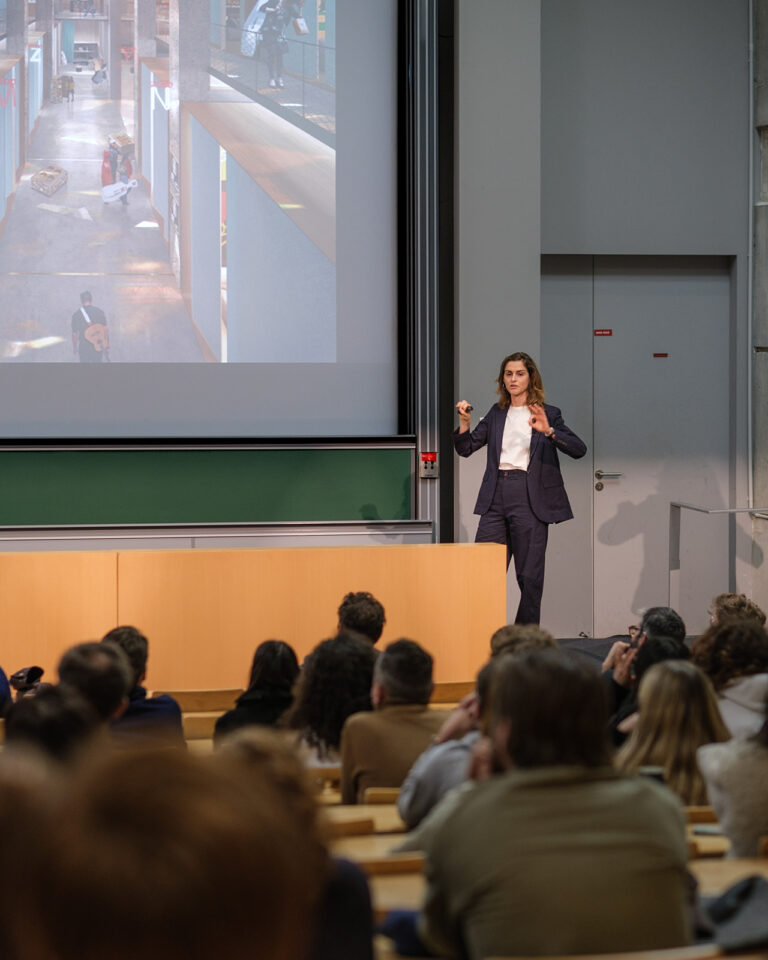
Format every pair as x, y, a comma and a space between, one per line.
546, 490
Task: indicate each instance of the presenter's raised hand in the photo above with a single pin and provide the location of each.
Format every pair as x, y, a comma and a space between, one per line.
463, 409
538, 420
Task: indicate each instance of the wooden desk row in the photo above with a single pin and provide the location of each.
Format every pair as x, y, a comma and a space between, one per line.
387, 820
714, 876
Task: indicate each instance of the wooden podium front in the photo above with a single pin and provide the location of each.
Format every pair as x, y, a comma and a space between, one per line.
205, 611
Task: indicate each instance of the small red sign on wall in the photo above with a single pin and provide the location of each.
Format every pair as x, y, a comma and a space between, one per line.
604, 332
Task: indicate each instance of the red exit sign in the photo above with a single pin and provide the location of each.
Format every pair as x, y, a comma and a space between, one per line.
604, 332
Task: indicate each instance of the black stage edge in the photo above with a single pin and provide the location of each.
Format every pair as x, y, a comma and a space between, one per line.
593, 649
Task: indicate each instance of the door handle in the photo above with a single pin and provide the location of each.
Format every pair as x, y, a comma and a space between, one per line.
607, 476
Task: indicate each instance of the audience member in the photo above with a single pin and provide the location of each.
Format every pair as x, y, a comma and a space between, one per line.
167, 856
445, 764
379, 748
736, 774
619, 667
678, 713
57, 722
344, 922
270, 690
101, 673
362, 613
334, 682
629, 675
735, 606
145, 719
24, 786
514, 637
734, 655
5, 693
559, 853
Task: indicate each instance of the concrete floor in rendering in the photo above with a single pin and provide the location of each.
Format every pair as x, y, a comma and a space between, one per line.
52, 248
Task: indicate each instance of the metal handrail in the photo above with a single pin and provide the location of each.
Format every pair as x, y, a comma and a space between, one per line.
676, 508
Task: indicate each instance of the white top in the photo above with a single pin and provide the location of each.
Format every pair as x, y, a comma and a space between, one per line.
742, 704
737, 784
516, 442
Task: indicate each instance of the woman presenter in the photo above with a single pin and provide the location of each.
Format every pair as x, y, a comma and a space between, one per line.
522, 490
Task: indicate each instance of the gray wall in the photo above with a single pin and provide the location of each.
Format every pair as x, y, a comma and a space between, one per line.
644, 149
645, 126
760, 331
497, 205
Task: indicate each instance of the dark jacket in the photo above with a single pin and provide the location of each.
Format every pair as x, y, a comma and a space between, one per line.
5, 693
344, 925
546, 490
154, 719
255, 706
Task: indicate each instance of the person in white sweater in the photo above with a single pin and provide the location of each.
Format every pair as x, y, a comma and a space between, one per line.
734, 655
736, 774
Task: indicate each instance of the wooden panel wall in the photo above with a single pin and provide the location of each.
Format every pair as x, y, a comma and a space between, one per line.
205, 611
51, 601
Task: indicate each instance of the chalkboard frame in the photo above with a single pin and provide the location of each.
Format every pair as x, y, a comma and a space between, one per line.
179, 482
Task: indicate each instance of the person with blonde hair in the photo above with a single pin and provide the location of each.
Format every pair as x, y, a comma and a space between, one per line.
678, 713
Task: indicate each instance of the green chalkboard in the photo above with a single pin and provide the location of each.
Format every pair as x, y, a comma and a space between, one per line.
156, 486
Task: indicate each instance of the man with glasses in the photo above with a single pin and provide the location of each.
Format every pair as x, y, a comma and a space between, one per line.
662, 625
656, 622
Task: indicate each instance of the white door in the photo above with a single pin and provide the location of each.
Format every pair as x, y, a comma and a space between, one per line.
661, 388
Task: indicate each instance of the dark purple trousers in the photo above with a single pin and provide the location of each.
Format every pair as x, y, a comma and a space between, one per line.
511, 521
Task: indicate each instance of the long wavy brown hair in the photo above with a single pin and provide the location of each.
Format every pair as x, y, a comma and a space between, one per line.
535, 386
678, 713
731, 650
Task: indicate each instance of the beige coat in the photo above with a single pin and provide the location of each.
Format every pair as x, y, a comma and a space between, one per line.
558, 860
379, 748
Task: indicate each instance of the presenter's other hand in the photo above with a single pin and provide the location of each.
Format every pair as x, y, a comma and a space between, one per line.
538, 420
462, 408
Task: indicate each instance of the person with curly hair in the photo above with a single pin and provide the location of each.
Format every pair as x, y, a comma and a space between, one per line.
678, 713
335, 682
735, 606
734, 655
362, 613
